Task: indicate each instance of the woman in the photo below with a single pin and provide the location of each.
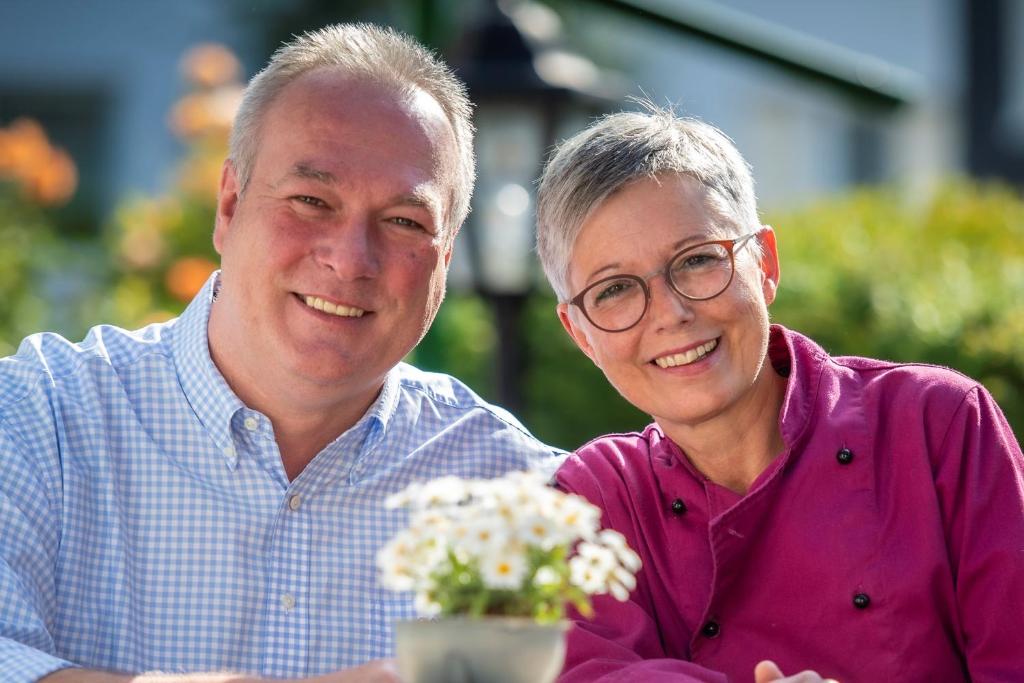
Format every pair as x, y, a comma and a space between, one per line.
843, 517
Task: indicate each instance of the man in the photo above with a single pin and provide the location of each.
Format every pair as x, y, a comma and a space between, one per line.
206, 495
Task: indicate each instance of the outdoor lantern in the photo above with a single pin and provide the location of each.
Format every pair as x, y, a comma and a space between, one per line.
525, 94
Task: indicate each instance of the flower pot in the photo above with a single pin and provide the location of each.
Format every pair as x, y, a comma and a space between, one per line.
486, 650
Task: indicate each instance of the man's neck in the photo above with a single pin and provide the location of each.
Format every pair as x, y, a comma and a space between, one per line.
306, 416
305, 421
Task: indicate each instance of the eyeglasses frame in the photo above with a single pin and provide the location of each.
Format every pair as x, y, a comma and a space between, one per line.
731, 245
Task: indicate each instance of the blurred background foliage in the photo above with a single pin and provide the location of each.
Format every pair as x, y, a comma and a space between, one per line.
936, 279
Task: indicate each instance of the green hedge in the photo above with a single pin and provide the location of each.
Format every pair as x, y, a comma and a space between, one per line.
940, 280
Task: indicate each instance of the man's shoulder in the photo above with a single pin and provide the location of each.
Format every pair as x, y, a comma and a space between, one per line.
448, 393
458, 407
49, 360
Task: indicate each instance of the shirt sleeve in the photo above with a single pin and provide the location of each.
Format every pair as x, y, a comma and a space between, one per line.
29, 536
980, 482
621, 642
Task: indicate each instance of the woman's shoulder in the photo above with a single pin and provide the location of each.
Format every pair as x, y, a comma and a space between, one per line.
618, 457
891, 381
622, 448
907, 383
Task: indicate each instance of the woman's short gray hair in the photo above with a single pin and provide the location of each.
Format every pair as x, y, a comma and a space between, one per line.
619, 148
379, 55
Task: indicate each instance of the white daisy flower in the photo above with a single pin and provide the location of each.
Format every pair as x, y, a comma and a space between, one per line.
546, 576
503, 570
443, 491
583, 576
426, 607
600, 558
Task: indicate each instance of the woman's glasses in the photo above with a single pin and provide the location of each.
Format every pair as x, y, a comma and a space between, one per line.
698, 273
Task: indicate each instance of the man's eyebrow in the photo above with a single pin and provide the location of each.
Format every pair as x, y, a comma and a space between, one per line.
418, 198
310, 172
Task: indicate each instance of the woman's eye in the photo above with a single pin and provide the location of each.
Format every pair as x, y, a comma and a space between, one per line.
613, 290
700, 260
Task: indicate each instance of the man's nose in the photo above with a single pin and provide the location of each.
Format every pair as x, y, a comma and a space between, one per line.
350, 249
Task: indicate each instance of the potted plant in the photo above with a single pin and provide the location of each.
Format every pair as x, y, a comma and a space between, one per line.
493, 564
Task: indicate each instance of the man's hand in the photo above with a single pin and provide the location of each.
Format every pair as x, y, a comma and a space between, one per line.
377, 671
768, 672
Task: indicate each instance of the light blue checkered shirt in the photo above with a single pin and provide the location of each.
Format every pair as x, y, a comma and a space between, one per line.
146, 522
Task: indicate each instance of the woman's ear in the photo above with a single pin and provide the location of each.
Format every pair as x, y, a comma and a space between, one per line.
575, 332
770, 270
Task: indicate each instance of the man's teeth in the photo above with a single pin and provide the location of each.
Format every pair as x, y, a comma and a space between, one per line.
328, 307
688, 357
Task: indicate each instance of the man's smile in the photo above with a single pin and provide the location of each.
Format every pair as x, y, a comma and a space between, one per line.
330, 307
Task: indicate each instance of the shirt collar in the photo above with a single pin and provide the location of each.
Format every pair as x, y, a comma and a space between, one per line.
205, 388
213, 401
802, 361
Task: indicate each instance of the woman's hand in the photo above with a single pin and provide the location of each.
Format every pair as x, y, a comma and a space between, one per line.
768, 672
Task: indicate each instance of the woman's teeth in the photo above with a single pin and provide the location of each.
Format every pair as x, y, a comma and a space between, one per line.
690, 356
327, 307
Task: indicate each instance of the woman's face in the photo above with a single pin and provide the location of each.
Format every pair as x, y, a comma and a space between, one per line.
636, 231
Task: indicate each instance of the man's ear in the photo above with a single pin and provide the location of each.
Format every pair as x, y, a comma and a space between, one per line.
227, 203
770, 269
575, 332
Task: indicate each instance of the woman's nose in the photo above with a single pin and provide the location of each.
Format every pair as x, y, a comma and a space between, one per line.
668, 308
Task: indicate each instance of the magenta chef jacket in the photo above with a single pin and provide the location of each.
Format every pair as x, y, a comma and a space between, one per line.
885, 543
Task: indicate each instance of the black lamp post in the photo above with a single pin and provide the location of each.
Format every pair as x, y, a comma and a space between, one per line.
517, 112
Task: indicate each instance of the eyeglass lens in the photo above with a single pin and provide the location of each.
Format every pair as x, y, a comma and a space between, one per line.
618, 303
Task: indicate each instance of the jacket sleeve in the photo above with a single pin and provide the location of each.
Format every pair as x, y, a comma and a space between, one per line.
980, 482
621, 642
29, 537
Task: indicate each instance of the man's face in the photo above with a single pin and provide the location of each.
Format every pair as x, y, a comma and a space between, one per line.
334, 255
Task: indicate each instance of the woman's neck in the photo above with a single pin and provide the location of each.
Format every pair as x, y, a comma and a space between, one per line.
735, 446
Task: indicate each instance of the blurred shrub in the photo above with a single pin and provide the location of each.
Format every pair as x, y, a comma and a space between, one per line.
46, 283
866, 274
940, 281
162, 246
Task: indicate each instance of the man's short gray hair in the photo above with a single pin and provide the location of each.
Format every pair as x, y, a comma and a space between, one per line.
619, 148
379, 55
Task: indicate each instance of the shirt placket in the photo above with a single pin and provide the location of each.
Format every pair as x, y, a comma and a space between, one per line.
286, 606
287, 602
730, 534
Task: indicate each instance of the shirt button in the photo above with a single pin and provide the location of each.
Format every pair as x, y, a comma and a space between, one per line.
711, 629
251, 423
844, 456
288, 602
229, 451
678, 507
295, 502
861, 600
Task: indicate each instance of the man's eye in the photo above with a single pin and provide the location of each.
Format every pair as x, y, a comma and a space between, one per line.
310, 201
408, 223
